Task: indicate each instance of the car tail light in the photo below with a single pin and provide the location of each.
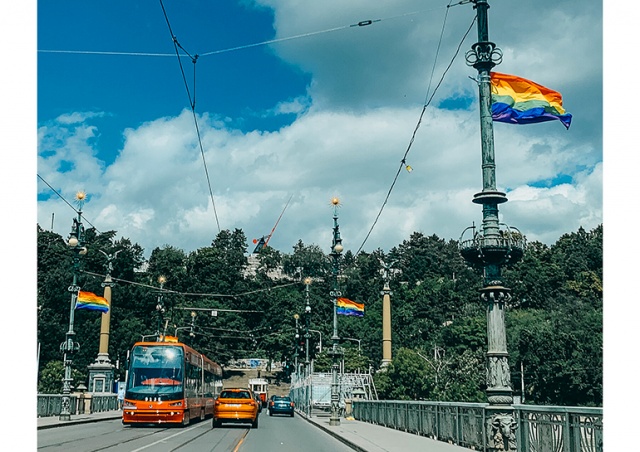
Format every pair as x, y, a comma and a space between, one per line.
292, 404
217, 402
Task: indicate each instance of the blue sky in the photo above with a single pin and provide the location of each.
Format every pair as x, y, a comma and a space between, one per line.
326, 108
330, 113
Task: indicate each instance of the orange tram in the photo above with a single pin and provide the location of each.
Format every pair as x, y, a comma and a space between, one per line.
169, 382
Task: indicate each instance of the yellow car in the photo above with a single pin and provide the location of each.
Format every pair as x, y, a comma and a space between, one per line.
235, 405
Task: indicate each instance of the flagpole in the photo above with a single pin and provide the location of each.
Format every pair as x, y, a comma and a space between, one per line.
76, 243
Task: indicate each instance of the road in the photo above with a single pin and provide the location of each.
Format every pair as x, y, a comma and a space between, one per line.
277, 433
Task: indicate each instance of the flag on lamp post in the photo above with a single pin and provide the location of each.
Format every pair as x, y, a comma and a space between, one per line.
345, 306
517, 100
92, 302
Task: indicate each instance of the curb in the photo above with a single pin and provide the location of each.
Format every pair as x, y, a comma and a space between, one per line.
77, 422
343, 440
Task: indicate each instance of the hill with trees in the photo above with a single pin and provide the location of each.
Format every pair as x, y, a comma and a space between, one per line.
554, 321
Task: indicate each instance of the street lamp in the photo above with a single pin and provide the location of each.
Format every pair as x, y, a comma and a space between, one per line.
307, 315
190, 327
76, 244
160, 306
336, 250
320, 333
354, 340
297, 340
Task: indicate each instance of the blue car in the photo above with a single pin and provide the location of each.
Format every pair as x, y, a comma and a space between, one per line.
281, 405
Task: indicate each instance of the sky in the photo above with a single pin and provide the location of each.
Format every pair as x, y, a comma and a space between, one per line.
294, 100
170, 149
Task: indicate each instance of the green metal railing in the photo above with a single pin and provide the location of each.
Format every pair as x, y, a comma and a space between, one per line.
540, 428
51, 404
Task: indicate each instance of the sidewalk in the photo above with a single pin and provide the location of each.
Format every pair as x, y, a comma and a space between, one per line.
361, 436
54, 421
366, 437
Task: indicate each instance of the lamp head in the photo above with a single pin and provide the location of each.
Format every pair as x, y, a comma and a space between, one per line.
338, 248
73, 241
307, 309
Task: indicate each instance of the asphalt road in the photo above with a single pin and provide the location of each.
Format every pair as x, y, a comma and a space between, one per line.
274, 433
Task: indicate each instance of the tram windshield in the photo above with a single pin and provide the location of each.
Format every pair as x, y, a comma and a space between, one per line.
155, 373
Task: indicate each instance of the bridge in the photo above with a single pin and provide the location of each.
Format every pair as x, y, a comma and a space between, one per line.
366, 424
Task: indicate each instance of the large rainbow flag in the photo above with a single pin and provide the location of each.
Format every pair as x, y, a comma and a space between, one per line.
345, 306
520, 101
91, 301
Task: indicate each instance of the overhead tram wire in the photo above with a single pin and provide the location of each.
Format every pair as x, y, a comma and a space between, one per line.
67, 202
191, 294
424, 108
192, 104
359, 24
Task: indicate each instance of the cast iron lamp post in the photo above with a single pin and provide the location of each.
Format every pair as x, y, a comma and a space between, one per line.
76, 244
160, 307
336, 250
296, 340
490, 249
307, 315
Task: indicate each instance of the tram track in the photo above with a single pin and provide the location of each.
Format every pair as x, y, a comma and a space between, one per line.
106, 447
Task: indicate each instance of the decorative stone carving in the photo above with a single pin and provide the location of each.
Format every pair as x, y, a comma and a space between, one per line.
498, 374
502, 432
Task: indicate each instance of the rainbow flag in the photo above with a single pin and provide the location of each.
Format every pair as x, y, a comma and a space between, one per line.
345, 306
520, 101
91, 301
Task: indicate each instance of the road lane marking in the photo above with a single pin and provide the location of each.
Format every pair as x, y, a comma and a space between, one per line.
164, 439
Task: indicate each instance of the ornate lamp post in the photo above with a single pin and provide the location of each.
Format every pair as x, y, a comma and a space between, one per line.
296, 344
336, 353
160, 307
76, 244
307, 315
490, 249
307, 365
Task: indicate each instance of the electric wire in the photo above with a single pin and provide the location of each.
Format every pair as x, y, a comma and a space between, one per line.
191, 294
192, 104
359, 24
413, 136
67, 202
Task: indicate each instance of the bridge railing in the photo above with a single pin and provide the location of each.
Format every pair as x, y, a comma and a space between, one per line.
51, 404
540, 428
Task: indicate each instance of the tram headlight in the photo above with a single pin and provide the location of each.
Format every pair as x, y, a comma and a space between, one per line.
176, 404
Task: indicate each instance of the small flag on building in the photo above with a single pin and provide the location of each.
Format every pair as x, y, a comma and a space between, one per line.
345, 306
91, 301
520, 101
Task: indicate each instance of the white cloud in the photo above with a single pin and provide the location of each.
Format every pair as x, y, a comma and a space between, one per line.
352, 128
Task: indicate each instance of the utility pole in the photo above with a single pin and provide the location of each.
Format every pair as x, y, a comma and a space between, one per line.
490, 249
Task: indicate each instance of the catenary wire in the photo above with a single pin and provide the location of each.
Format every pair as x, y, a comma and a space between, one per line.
192, 104
67, 202
424, 108
359, 24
